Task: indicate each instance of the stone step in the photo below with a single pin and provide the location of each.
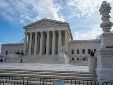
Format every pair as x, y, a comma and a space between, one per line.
61, 73
46, 82
50, 59
48, 76
43, 72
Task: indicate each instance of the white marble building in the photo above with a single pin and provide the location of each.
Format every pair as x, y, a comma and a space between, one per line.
48, 41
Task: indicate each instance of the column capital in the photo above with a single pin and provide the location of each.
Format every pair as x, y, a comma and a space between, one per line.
36, 32
30, 32
48, 31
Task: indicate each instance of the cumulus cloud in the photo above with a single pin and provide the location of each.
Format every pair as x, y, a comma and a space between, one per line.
24, 12
84, 7
30, 10
91, 34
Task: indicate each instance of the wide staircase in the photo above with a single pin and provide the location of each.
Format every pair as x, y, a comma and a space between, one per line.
51, 59
48, 59
45, 77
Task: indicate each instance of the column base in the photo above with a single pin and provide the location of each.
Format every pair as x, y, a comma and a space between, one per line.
52, 54
34, 54
40, 54
47, 54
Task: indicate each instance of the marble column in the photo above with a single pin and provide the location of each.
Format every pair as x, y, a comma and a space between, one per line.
35, 46
66, 37
38, 43
47, 44
25, 43
30, 42
53, 43
59, 41
66, 41
41, 43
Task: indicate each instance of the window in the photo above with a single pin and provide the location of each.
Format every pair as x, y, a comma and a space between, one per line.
77, 51
84, 59
95, 50
6, 53
72, 58
83, 51
72, 51
89, 51
78, 59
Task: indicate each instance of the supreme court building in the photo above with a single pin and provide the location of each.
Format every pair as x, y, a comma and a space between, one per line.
49, 41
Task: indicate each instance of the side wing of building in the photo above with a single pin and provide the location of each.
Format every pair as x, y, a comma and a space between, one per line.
80, 50
11, 48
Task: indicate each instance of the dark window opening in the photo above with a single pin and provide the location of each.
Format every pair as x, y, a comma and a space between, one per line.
72, 58
72, 51
6, 52
83, 51
84, 59
89, 51
1, 60
78, 59
95, 50
77, 51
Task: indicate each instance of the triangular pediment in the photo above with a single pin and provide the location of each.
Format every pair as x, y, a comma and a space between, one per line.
45, 22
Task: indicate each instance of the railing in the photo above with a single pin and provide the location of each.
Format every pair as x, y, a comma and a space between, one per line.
16, 80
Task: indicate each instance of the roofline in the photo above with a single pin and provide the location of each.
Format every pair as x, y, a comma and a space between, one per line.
12, 44
92, 40
43, 20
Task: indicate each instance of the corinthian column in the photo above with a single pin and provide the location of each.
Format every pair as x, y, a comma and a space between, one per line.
53, 43
41, 43
30, 42
25, 43
66, 37
47, 43
59, 41
66, 41
35, 46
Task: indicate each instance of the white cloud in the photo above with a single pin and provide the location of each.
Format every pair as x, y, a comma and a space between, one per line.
30, 10
84, 7
91, 34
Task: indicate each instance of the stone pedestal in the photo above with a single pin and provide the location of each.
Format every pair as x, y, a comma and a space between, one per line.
107, 40
105, 65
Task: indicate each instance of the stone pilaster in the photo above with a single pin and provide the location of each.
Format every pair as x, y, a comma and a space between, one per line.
53, 43
47, 44
41, 43
30, 42
35, 46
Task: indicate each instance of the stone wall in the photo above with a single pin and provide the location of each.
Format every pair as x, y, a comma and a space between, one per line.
83, 45
13, 48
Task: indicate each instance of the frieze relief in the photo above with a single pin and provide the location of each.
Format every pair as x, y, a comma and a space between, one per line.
46, 23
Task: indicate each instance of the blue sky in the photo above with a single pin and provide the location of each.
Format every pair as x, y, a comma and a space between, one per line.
82, 15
